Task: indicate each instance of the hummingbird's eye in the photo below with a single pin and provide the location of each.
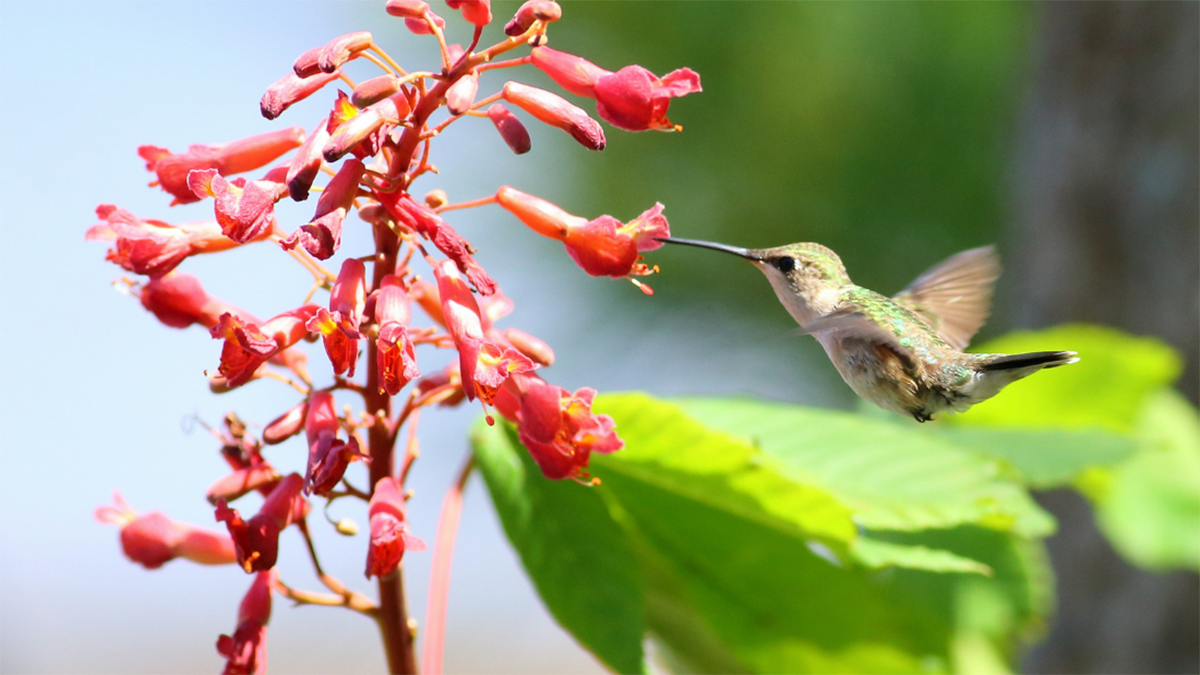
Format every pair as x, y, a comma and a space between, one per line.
785, 264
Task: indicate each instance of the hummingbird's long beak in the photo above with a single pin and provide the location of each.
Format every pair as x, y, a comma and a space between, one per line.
740, 252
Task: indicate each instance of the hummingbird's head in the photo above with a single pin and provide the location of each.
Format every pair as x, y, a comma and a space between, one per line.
806, 277
803, 264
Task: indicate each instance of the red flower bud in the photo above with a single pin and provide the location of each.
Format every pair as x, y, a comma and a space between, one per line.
407, 9
511, 130
461, 95
153, 539
306, 163
534, 10
389, 529
573, 73
329, 57
286, 425
374, 90
556, 111
241, 482
535, 349
426, 295
290, 89
178, 300
478, 12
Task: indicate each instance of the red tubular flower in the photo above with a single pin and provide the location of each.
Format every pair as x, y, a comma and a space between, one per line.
534, 10
461, 95
635, 100
246, 649
245, 211
556, 111
306, 163
425, 222
560, 430
248, 346
328, 456
478, 12
511, 130
484, 364
573, 73
323, 236
152, 247
397, 360
632, 98
153, 539
257, 540
338, 325
389, 530
602, 247
178, 300
239, 156
292, 88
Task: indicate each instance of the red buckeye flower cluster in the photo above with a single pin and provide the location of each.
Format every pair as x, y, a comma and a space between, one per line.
422, 287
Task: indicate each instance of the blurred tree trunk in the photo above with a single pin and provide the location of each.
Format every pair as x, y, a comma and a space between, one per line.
1106, 228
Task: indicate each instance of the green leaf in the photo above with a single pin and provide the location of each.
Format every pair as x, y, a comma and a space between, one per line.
769, 600
668, 449
895, 477
1150, 510
579, 559
881, 554
1045, 458
743, 563
1116, 371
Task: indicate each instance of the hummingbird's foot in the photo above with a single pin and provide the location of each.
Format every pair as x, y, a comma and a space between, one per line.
921, 415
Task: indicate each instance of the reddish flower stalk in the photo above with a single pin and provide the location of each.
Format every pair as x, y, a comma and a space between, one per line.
375, 142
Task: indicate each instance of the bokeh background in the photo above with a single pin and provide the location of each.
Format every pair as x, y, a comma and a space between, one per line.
897, 134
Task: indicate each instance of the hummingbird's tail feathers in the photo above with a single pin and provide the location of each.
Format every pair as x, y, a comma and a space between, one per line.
1030, 360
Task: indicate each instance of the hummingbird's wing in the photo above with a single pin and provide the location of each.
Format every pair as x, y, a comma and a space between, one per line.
850, 323
955, 296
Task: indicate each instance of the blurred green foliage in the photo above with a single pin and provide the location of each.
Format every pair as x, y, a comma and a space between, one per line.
881, 130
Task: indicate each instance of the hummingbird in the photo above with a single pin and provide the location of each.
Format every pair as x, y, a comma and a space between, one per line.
902, 353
